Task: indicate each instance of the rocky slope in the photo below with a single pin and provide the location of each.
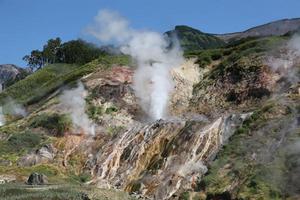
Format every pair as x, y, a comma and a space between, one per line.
275, 28
164, 157
10, 73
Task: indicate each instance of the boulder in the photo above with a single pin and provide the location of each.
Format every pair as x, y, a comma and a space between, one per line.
42, 155
37, 179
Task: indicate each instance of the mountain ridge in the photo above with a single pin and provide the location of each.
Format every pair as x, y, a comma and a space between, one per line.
9, 73
249, 32
192, 39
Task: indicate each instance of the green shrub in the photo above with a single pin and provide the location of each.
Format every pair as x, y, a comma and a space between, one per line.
94, 112
111, 109
56, 124
82, 178
216, 55
114, 130
184, 196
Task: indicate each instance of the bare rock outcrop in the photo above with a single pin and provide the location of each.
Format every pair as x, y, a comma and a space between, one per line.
162, 158
42, 155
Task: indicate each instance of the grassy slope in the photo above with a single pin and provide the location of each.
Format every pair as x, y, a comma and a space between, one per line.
193, 39
62, 192
45, 81
40, 84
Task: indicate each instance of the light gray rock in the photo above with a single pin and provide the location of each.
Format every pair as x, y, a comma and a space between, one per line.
7, 179
42, 155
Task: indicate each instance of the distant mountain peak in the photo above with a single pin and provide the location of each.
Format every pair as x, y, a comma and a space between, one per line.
9, 73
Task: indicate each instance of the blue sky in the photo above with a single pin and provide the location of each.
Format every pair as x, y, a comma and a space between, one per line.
28, 24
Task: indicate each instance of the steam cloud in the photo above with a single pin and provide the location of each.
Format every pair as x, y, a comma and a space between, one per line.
13, 108
73, 100
154, 56
10, 107
192, 167
285, 62
2, 119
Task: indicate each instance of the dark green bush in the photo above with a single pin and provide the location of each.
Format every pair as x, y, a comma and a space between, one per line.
79, 52
27, 140
56, 124
216, 55
111, 110
20, 142
94, 112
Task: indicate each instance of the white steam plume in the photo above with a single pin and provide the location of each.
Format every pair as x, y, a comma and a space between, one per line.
192, 167
73, 100
10, 107
285, 63
2, 119
13, 108
153, 54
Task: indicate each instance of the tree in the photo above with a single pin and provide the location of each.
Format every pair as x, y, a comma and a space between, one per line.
72, 52
79, 52
35, 60
51, 49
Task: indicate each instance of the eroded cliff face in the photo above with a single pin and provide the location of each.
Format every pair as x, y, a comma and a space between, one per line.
160, 159
184, 77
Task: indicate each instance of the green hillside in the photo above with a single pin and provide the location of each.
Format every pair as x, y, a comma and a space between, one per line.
193, 39
51, 77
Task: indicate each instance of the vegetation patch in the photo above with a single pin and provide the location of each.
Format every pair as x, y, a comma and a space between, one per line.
56, 124
114, 130
205, 57
193, 39
245, 165
111, 110
19, 143
22, 192
94, 112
